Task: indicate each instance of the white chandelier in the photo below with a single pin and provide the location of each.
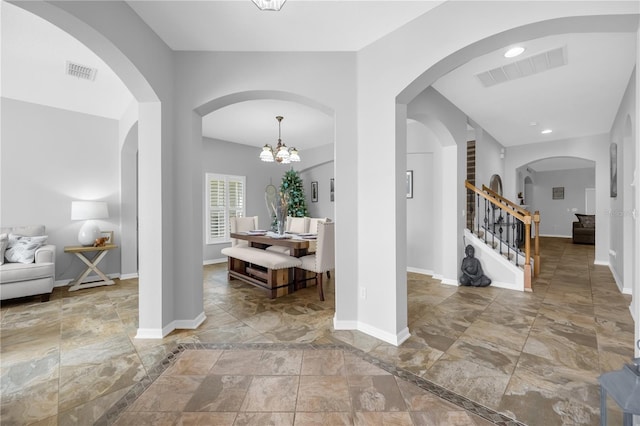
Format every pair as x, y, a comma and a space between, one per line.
273, 5
280, 154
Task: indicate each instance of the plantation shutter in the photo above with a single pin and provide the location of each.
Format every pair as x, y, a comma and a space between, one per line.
225, 199
217, 202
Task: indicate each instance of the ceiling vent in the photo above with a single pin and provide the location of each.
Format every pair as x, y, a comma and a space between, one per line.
81, 71
525, 67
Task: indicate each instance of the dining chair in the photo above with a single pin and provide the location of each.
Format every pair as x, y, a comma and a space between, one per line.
323, 260
242, 224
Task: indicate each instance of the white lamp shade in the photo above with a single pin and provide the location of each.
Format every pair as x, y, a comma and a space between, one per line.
85, 210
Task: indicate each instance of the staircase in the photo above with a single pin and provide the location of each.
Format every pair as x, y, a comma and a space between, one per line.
501, 230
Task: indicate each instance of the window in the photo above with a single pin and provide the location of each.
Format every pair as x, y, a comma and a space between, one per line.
225, 199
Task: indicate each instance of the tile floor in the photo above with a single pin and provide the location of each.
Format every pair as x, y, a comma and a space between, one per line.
534, 356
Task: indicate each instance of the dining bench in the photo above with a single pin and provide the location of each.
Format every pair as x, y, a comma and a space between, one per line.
268, 270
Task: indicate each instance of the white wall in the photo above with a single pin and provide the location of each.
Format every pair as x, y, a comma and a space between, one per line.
488, 159
623, 232
446, 128
420, 208
557, 216
51, 157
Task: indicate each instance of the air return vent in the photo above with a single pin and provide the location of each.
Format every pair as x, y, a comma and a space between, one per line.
525, 67
81, 71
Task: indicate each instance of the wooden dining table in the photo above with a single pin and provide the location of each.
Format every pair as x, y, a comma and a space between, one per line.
297, 246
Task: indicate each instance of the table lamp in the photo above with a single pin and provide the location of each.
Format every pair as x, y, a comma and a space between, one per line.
88, 211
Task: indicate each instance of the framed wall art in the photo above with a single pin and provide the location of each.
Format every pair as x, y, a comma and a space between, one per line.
557, 193
314, 192
409, 183
613, 169
331, 188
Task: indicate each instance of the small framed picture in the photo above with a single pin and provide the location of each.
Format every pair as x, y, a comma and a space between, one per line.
331, 188
558, 193
409, 183
314, 192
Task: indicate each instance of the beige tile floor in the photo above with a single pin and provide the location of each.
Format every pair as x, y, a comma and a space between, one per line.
531, 356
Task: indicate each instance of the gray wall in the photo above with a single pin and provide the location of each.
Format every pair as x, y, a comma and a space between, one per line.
51, 157
557, 215
231, 158
322, 172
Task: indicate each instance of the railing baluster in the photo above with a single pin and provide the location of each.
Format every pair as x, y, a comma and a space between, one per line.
514, 231
486, 220
500, 219
478, 214
508, 240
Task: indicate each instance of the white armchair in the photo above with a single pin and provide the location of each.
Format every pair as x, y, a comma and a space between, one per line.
242, 224
323, 260
35, 277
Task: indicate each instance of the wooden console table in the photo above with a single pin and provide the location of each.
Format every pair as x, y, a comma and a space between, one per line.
92, 265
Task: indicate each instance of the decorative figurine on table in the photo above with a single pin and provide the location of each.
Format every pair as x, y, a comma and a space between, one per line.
472, 274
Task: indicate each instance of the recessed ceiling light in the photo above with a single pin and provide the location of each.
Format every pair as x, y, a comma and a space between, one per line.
513, 52
546, 131
533, 123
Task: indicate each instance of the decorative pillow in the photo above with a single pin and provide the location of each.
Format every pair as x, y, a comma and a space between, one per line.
587, 220
4, 241
22, 249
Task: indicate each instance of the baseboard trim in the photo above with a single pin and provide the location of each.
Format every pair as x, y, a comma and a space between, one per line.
344, 324
507, 286
190, 324
555, 236
150, 333
420, 271
89, 279
129, 276
601, 262
393, 339
155, 333
214, 261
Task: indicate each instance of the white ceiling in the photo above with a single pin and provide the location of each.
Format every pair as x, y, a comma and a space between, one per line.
238, 25
580, 98
254, 123
34, 56
577, 99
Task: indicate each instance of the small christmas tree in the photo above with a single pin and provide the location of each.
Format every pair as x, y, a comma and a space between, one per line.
292, 184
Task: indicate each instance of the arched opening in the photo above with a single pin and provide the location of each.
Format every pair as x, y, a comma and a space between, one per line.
152, 282
424, 82
230, 149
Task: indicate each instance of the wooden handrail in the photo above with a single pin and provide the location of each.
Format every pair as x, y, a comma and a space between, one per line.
508, 202
526, 219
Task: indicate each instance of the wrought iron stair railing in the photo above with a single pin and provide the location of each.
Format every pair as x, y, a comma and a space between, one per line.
505, 226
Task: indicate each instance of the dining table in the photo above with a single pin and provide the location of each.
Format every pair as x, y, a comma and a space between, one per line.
297, 245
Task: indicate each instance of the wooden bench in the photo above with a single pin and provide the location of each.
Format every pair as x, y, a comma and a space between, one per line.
268, 270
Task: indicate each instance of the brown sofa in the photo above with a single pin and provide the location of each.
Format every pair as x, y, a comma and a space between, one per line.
584, 230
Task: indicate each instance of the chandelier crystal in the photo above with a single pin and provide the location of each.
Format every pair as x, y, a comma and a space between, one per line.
272, 5
280, 154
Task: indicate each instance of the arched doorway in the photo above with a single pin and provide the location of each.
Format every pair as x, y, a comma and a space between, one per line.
110, 46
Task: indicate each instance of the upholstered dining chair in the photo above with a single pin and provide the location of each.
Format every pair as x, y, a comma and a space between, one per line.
242, 224
323, 260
